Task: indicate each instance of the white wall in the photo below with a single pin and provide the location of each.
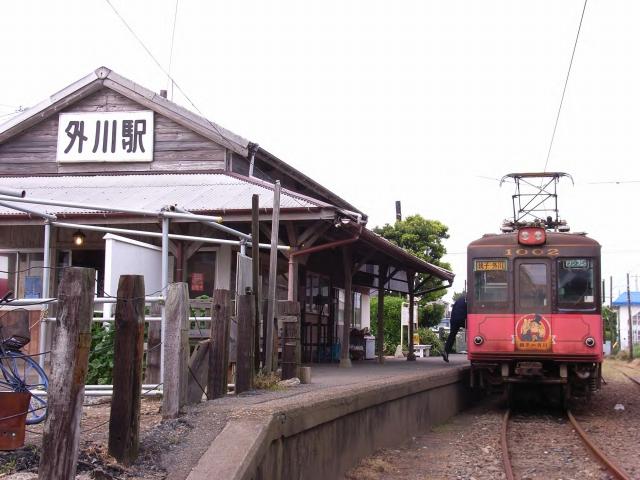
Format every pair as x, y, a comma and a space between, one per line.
124, 256
623, 314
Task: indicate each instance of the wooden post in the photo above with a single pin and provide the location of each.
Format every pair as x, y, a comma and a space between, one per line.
154, 334
124, 419
176, 350
411, 356
244, 362
630, 321
69, 360
273, 273
382, 277
198, 372
345, 359
255, 268
219, 350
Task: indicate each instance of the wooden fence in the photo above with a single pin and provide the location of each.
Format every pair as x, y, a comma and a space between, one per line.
196, 361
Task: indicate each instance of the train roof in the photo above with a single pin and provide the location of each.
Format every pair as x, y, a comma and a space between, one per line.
553, 239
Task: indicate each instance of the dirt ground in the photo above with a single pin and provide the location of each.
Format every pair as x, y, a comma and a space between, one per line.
542, 443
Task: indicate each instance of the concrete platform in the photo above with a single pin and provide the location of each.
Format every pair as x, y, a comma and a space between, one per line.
322, 429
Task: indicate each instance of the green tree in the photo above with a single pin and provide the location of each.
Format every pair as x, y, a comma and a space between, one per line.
424, 239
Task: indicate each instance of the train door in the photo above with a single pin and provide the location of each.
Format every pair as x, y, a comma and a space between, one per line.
532, 327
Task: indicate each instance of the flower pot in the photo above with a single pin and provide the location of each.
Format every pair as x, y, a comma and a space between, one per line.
13, 414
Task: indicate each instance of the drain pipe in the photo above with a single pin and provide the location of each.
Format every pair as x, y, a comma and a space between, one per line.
325, 246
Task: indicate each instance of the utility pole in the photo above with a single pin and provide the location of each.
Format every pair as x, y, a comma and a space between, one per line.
398, 211
630, 323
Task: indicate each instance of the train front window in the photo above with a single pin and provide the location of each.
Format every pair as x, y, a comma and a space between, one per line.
490, 283
532, 283
575, 283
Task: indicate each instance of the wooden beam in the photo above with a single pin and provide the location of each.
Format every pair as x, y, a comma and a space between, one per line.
318, 228
124, 418
345, 359
176, 350
245, 361
69, 363
380, 319
255, 272
198, 372
358, 265
219, 350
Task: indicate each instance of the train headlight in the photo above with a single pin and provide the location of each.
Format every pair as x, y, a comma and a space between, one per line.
478, 340
590, 342
532, 236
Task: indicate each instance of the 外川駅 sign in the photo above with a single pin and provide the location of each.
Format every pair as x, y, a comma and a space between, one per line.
105, 137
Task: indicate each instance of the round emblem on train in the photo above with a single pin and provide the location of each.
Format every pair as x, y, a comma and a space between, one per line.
533, 332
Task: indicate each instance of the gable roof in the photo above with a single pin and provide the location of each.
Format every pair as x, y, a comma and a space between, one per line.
621, 301
105, 77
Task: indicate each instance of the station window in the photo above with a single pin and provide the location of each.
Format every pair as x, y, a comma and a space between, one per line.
575, 283
490, 281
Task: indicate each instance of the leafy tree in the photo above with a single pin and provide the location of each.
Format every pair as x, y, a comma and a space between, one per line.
457, 295
424, 239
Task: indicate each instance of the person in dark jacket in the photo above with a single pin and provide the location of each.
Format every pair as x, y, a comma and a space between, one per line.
458, 321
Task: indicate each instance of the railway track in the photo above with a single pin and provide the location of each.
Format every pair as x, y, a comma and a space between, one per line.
599, 455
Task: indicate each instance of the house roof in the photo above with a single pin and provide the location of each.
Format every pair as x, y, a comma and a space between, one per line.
210, 192
621, 301
105, 77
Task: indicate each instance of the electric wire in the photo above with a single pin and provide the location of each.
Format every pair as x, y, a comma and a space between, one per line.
564, 90
173, 35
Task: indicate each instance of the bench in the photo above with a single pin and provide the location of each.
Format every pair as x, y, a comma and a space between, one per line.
422, 350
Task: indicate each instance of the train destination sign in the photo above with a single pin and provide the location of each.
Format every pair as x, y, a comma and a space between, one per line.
105, 137
489, 265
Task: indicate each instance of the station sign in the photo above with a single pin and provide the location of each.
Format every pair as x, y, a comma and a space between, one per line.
105, 137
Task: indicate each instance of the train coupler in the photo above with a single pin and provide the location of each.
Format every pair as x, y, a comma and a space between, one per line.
529, 369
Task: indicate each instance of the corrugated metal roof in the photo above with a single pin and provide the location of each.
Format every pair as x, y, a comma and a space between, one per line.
621, 301
193, 192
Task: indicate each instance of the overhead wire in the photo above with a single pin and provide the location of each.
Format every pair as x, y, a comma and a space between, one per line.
173, 36
564, 89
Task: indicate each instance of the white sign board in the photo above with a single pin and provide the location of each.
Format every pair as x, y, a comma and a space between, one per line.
105, 137
404, 314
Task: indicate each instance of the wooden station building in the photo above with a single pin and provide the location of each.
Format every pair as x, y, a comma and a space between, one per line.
105, 140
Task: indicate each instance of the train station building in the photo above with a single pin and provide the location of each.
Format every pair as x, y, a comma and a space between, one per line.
106, 141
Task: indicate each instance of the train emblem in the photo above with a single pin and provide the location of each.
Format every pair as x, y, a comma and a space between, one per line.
533, 332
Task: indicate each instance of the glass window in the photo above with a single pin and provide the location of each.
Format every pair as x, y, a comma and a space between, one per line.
532, 284
30, 275
490, 282
357, 310
201, 268
575, 283
8, 269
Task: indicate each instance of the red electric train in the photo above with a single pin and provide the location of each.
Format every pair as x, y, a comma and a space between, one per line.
534, 306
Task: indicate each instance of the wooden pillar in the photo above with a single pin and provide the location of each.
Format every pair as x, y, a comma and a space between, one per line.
255, 270
198, 372
273, 273
411, 283
124, 419
176, 350
244, 362
154, 333
69, 362
382, 277
345, 359
219, 350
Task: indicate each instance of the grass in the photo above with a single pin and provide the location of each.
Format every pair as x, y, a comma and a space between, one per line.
267, 381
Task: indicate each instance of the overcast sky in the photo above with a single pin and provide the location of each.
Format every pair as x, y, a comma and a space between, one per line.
417, 101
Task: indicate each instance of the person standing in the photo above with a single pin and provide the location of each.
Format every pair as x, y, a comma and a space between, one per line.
458, 321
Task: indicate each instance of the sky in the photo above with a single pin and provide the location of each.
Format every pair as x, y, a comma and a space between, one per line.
427, 102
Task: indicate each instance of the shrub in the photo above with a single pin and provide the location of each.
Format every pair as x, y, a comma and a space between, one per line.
428, 337
101, 355
392, 310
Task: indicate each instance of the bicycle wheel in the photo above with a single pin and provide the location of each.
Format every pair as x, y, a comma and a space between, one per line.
20, 373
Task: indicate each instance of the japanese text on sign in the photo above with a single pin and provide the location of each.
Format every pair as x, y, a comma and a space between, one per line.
489, 265
105, 137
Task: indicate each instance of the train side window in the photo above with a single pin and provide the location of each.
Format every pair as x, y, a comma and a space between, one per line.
490, 283
575, 284
532, 284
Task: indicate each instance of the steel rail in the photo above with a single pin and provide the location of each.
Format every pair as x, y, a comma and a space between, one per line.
633, 379
600, 455
506, 461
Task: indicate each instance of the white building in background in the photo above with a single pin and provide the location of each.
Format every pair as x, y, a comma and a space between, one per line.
621, 304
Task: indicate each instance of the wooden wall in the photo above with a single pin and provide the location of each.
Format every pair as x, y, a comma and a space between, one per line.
176, 148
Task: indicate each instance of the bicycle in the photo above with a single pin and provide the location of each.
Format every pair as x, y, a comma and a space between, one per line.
20, 373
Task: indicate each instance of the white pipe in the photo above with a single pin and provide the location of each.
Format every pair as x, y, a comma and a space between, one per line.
87, 206
165, 283
172, 236
46, 216
42, 341
12, 192
185, 214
